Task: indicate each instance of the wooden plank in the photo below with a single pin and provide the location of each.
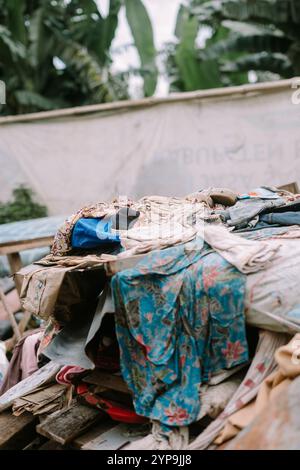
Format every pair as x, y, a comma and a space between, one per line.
8, 248
110, 381
212, 93
40, 377
10, 343
24, 322
93, 433
111, 440
15, 261
37, 442
65, 425
16, 432
33, 232
15, 264
12, 299
51, 445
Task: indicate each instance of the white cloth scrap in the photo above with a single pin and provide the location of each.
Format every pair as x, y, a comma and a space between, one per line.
177, 439
247, 256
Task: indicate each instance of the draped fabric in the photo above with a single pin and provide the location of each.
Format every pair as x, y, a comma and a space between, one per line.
179, 318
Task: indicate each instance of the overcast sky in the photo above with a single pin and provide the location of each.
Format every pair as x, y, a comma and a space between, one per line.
163, 16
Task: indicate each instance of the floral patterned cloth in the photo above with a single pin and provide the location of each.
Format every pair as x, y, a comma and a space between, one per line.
179, 318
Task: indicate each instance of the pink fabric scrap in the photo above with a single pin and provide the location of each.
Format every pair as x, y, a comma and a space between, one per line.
29, 357
67, 374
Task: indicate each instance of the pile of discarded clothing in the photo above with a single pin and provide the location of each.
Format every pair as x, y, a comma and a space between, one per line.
182, 313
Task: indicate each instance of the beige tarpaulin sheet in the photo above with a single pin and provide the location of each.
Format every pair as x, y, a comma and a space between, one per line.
239, 138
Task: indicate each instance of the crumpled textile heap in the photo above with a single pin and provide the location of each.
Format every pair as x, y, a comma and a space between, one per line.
262, 365
247, 256
249, 206
50, 288
245, 210
62, 241
180, 292
214, 398
155, 212
179, 318
161, 219
287, 358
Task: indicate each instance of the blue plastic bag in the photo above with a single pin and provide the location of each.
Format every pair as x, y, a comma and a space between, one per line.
91, 233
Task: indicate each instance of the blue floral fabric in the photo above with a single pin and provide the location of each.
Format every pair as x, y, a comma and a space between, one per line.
179, 318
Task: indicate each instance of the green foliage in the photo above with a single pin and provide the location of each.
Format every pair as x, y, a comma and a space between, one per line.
195, 73
244, 35
142, 33
22, 207
56, 53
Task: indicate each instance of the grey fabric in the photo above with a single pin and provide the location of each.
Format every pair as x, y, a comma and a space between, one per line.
261, 233
124, 219
68, 347
246, 209
71, 345
290, 206
285, 216
281, 218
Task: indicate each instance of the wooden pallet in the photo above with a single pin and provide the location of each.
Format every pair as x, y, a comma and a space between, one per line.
79, 428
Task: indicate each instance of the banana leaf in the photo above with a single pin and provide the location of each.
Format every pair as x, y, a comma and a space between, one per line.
141, 29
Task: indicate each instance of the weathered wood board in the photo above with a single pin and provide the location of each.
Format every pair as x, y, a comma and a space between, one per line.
65, 425
113, 439
16, 432
107, 380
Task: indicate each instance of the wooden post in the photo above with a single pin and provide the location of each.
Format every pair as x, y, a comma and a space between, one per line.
15, 264
10, 315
